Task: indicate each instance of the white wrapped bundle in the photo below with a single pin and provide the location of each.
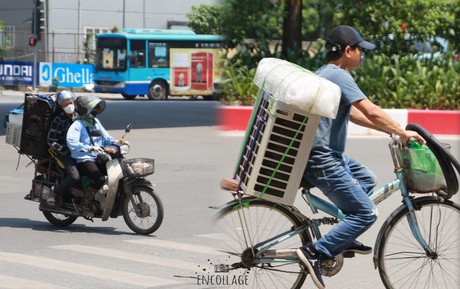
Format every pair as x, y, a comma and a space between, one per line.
294, 85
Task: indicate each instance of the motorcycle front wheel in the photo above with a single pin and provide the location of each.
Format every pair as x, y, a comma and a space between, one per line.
59, 220
143, 210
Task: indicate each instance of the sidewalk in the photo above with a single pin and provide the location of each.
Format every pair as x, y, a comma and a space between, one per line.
439, 122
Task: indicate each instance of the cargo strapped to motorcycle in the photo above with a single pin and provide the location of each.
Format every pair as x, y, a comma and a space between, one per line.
27, 126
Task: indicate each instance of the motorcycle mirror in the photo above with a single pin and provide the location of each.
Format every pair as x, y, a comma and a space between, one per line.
127, 129
96, 133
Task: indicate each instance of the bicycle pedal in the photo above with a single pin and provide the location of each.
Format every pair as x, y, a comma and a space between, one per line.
348, 254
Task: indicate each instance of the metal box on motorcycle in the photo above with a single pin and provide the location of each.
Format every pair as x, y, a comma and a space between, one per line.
38, 114
275, 150
13, 124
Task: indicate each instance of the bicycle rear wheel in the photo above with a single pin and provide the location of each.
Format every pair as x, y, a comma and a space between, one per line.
262, 220
402, 261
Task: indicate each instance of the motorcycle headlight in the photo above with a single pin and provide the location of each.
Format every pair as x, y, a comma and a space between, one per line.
124, 149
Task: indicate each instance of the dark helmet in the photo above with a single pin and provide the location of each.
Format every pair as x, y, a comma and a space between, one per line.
89, 104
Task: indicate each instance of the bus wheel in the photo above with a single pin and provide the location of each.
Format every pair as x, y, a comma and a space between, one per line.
157, 90
129, 97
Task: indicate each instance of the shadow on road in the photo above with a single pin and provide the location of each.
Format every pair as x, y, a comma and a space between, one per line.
74, 228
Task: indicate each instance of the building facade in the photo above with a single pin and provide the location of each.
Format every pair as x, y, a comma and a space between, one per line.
70, 26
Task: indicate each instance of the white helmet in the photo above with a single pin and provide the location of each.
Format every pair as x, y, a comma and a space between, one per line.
63, 95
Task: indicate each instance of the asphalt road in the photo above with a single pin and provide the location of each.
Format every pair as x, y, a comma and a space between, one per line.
191, 157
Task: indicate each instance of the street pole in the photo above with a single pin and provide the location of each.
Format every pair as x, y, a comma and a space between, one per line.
34, 70
124, 8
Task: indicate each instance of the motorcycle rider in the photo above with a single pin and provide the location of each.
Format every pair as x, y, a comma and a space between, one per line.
84, 146
64, 117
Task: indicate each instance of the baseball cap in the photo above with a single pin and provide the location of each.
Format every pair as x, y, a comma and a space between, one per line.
343, 36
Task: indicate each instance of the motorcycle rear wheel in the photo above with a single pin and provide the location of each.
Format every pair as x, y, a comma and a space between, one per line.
59, 220
143, 210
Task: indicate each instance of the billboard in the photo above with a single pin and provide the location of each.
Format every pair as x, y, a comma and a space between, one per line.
16, 73
69, 75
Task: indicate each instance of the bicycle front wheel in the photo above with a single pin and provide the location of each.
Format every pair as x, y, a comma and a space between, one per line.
247, 223
403, 263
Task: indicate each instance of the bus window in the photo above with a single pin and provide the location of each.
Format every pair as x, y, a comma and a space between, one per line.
158, 54
137, 56
121, 58
111, 54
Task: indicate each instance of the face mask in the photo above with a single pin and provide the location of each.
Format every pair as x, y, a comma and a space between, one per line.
69, 109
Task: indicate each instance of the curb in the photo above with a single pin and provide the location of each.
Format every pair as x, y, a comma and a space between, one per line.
440, 122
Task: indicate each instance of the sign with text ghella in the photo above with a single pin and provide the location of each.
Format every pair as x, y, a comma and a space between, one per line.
20, 73
69, 75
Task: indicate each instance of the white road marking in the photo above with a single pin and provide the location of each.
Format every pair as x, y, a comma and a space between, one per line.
214, 236
176, 246
8, 282
86, 270
129, 256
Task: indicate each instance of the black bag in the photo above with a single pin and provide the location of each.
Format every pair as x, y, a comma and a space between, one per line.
38, 114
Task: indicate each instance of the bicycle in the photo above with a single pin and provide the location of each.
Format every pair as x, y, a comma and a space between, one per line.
416, 247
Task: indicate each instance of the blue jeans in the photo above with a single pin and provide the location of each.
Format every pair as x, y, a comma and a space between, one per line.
348, 185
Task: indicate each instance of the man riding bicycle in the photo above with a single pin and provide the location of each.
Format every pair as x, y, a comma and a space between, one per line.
343, 180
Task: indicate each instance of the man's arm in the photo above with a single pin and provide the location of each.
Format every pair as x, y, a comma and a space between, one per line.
357, 117
367, 114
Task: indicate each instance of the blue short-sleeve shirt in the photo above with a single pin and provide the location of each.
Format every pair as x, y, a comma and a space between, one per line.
330, 139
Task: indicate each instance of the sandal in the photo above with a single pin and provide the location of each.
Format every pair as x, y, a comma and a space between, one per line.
87, 213
51, 201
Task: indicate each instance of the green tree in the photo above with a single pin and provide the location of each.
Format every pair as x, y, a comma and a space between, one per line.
292, 29
90, 53
259, 28
421, 19
254, 29
205, 19
2, 49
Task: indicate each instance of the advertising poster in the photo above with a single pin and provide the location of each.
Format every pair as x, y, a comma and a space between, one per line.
194, 71
16, 73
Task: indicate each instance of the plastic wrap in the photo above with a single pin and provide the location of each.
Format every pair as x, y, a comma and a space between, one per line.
294, 85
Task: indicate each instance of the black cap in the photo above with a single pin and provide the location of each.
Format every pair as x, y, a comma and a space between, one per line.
343, 36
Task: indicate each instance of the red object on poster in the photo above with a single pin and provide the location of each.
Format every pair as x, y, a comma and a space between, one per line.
202, 70
180, 77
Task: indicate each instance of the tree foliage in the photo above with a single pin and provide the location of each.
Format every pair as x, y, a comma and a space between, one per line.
2, 49
421, 19
255, 29
205, 19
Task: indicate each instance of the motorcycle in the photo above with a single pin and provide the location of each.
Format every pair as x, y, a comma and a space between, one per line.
126, 191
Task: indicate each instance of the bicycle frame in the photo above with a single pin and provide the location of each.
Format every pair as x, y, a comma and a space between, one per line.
265, 255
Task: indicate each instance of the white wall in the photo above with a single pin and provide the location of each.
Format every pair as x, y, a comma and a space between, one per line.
68, 19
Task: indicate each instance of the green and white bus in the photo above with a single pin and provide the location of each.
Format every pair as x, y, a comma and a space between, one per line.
158, 63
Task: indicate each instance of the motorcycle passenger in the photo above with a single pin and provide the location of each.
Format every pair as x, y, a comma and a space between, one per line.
64, 117
85, 145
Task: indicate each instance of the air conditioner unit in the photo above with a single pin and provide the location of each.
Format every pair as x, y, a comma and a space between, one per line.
275, 150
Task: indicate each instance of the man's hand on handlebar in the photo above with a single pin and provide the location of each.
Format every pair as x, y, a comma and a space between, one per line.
95, 148
411, 135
